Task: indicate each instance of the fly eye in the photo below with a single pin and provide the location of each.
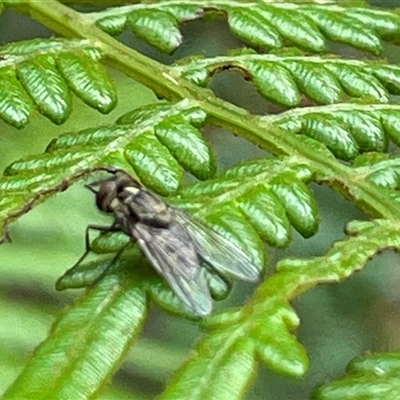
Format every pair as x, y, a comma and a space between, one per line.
105, 195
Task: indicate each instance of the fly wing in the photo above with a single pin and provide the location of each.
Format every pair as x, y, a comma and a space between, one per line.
173, 254
219, 252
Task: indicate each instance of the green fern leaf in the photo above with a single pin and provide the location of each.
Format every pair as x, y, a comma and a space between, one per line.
268, 192
82, 337
16, 107
180, 135
225, 361
380, 169
43, 82
347, 129
283, 78
251, 203
335, 24
133, 141
158, 27
264, 326
42, 72
370, 377
260, 24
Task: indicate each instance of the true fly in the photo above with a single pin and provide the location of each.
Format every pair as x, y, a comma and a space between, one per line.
175, 243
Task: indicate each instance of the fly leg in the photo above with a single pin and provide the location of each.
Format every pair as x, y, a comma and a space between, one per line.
73, 270
100, 228
111, 263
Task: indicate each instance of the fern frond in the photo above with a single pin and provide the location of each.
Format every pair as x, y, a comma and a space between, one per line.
249, 203
254, 202
293, 78
284, 78
268, 193
260, 24
382, 169
264, 328
370, 377
82, 337
347, 130
154, 139
38, 75
145, 133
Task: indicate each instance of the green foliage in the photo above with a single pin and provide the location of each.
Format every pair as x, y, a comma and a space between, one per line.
120, 312
261, 24
381, 369
350, 117
136, 139
284, 78
346, 129
38, 75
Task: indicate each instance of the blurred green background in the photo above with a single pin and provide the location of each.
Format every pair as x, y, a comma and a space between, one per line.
338, 322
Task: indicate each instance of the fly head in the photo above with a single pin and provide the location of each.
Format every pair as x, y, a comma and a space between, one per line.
124, 197
110, 191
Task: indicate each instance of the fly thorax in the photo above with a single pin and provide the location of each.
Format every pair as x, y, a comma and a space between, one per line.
122, 215
148, 207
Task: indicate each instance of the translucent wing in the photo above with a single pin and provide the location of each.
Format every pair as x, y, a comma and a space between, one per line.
173, 254
224, 256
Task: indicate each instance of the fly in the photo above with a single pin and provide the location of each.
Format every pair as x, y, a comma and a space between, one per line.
173, 241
